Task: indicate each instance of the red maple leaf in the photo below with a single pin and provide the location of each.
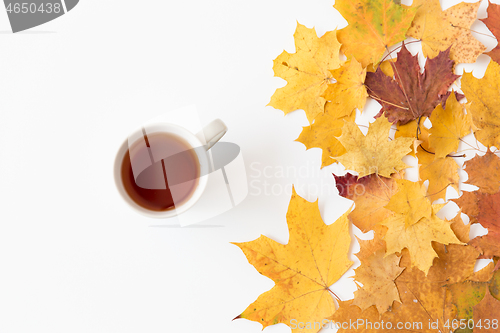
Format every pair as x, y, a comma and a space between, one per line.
411, 94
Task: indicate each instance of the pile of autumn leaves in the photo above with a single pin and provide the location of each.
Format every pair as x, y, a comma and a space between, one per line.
418, 267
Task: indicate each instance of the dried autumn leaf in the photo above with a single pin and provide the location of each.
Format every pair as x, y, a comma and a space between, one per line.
468, 204
370, 194
410, 130
368, 248
467, 295
483, 208
488, 214
417, 238
493, 23
411, 94
410, 201
440, 172
484, 172
460, 229
424, 299
323, 134
347, 313
448, 127
485, 274
487, 311
349, 92
485, 106
315, 257
307, 72
488, 244
439, 30
373, 153
374, 25
377, 274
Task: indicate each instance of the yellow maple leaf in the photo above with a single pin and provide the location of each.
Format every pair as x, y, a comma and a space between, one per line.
303, 270
410, 201
373, 153
438, 30
441, 173
323, 134
485, 104
307, 72
410, 130
349, 92
385, 66
374, 25
448, 127
418, 237
377, 274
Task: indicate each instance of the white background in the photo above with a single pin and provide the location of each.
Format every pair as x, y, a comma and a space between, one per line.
73, 257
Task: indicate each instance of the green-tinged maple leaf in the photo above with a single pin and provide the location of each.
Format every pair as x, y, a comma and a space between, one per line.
374, 25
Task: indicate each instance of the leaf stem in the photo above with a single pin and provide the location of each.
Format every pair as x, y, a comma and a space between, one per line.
397, 48
334, 294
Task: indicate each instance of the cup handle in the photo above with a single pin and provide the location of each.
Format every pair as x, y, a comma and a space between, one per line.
212, 133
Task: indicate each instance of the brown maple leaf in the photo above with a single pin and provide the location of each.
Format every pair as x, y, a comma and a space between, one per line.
486, 311
468, 203
411, 94
484, 172
483, 208
424, 299
493, 23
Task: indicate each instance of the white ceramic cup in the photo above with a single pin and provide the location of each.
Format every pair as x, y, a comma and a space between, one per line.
210, 134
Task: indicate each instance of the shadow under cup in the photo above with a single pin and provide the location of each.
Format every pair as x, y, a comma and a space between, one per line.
160, 171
